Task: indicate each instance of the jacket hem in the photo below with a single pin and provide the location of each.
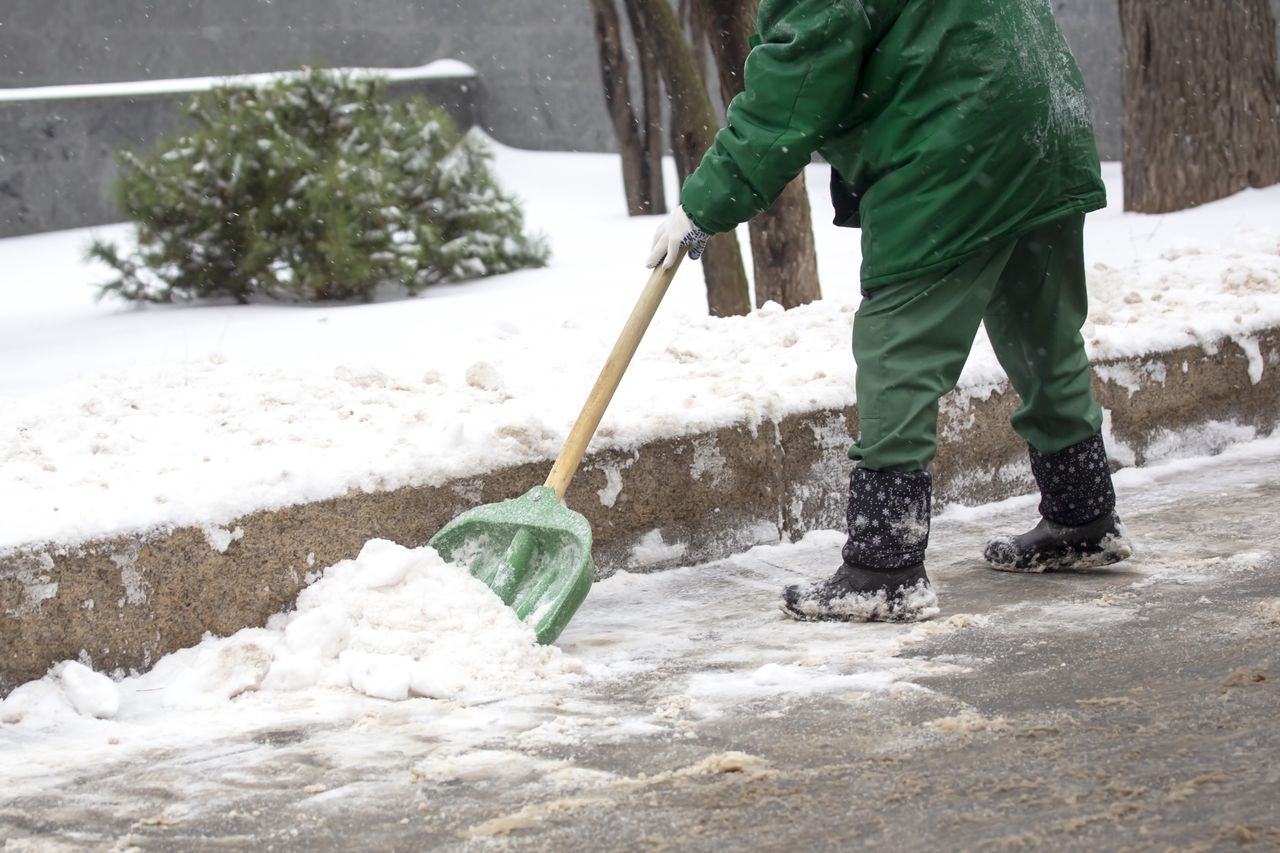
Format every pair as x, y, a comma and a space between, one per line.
1086, 205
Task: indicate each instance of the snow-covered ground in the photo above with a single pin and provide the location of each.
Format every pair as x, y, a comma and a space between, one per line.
117, 418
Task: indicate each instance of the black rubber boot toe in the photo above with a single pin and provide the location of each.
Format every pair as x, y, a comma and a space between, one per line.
1053, 547
856, 594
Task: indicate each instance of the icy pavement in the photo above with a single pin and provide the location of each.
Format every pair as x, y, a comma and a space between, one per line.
1134, 706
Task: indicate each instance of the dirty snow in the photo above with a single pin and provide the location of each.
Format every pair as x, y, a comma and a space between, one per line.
396, 638
119, 419
658, 658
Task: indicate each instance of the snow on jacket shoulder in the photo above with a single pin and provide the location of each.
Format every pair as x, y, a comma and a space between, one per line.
952, 124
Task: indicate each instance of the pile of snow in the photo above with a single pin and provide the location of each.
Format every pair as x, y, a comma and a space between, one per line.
390, 624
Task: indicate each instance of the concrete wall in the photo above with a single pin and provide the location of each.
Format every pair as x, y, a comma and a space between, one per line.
536, 57
1092, 28
539, 78
58, 157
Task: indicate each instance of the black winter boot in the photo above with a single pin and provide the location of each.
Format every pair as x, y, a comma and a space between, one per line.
1079, 528
882, 578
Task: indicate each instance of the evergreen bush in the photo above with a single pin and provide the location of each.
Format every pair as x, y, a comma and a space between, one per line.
314, 187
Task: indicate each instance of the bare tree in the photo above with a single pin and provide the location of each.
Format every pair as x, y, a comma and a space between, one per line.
693, 129
1201, 101
782, 250
651, 138
641, 151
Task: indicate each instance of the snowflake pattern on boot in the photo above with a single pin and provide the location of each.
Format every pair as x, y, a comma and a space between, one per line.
882, 578
1079, 528
1050, 547
1075, 482
888, 518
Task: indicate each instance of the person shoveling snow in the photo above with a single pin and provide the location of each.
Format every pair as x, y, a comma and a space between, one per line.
961, 144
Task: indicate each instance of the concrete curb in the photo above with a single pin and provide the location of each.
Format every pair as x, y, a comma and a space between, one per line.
122, 603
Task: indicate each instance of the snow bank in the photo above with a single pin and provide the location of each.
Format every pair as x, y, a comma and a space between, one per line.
1197, 292
121, 420
391, 624
201, 442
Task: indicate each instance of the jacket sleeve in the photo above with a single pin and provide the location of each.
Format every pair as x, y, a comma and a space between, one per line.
799, 82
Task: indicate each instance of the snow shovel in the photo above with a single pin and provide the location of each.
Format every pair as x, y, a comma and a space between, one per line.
532, 551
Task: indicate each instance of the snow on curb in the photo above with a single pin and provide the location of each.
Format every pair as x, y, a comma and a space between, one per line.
179, 470
122, 603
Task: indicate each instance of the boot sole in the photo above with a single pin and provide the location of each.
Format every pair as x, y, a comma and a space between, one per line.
923, 605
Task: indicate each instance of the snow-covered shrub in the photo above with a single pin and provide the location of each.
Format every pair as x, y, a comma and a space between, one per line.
313, 187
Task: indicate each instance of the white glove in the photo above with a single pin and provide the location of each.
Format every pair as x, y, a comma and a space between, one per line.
675, 231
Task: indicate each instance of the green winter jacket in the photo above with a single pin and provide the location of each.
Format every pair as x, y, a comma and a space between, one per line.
952, 124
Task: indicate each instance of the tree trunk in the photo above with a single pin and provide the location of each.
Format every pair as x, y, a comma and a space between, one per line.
782, 251
651, 139
727, 25
694, 126
1201, 101
639, 177
690, 17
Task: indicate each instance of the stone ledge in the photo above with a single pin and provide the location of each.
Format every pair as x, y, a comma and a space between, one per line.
126, 601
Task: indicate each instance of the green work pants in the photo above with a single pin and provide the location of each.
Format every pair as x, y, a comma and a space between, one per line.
911, 339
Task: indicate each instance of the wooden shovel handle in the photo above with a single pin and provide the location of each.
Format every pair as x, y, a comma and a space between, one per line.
610, 375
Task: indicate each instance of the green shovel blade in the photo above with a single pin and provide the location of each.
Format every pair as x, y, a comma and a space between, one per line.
531, 551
